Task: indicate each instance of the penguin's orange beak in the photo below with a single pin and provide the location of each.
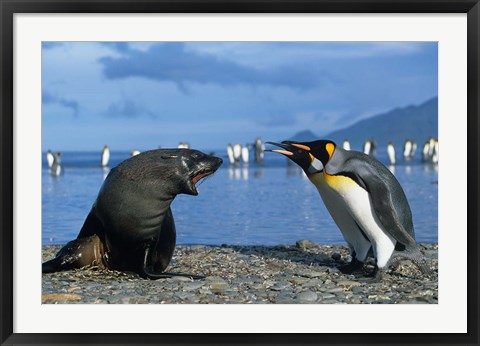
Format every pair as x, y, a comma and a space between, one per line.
298, 153
286, 152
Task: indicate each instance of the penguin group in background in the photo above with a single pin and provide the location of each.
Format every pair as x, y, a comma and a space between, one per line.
237, 153
105, 156
430, 151
56, 168
364, 199
346, 145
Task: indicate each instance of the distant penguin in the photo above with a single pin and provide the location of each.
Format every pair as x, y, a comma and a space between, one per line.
231, 157
425, 151
435, 152
367, 147
50, 158
105, 156
56, 169
237, 152
365, 200
414, 149
391, 153
346, 145
245, 154
134, 152
407, 149
258, 149
431, 146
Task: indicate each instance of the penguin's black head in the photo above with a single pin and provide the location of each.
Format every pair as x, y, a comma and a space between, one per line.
310, 156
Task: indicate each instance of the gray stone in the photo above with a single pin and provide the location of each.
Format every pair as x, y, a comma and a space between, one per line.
306, 244
310, 274
307, 297
191, 286
336, 256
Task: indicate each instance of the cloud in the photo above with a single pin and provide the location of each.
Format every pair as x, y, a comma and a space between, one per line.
127, 109
122, 47
173, 62
277, 54
50, 99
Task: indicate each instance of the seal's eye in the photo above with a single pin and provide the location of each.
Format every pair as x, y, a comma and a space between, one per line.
169, 157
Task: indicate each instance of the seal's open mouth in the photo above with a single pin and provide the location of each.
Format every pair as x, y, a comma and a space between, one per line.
200, 175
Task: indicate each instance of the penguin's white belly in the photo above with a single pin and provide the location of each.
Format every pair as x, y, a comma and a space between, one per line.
338, 209
358, 203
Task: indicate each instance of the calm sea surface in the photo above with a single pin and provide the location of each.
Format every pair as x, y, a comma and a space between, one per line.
252, 204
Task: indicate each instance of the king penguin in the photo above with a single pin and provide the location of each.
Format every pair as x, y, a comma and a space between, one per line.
364, 199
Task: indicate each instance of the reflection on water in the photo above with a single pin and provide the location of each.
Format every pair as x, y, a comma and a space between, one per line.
237, 172
267, 204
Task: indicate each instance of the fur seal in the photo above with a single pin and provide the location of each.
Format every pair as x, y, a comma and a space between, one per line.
130, 226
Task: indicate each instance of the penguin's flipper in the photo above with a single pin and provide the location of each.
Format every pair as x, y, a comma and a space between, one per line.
375, 180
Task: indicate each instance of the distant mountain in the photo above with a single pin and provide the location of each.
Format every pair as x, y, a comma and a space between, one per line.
416, 123
304, 136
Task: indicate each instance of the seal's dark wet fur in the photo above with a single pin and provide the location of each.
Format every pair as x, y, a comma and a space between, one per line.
130, 226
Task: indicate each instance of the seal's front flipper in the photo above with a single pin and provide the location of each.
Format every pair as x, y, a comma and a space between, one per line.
77, 253
148, 272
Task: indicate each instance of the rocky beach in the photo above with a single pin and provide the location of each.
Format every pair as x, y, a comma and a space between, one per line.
301, 273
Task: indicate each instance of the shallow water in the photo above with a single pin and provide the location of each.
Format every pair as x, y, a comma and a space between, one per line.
266, 204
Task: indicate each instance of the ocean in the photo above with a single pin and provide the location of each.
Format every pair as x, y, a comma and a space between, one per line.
255, 204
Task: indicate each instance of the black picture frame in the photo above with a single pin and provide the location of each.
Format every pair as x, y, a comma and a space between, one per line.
9, 7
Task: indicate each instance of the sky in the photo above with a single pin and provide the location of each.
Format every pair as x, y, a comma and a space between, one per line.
145, 95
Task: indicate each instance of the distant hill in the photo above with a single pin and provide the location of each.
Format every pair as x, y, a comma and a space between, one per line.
416, 123
304, 136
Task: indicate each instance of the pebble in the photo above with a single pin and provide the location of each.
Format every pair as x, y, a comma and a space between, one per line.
219, 286
349, 283
191, 286
310, 274
306, 244
307, 297
336, 256
303, 273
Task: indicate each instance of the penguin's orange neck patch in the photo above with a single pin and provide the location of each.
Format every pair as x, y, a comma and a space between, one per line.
338, 182
330, 148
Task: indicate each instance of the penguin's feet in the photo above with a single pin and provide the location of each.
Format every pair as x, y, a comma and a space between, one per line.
349, 268
378, 274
